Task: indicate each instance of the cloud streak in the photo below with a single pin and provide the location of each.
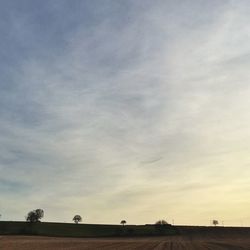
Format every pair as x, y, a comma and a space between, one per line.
132, 109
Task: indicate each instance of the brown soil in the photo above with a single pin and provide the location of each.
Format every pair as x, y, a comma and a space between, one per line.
157, 243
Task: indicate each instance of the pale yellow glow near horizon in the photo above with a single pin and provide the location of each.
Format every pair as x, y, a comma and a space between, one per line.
136, 111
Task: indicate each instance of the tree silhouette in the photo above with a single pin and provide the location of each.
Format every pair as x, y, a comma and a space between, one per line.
161, 222
35, 215
161, 226
77, 218
215, 222
123, 222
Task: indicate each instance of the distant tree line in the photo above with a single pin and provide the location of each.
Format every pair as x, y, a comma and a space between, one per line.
37, 214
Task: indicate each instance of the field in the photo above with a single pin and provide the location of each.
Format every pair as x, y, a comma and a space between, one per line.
191, 238
147, 243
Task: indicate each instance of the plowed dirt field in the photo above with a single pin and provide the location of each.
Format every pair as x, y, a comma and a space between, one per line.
147, 243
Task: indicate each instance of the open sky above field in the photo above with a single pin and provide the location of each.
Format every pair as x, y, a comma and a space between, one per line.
135, 110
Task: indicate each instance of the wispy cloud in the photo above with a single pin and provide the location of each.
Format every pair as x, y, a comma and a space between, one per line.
133, 108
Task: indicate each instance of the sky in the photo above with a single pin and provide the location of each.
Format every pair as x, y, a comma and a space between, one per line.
135, 110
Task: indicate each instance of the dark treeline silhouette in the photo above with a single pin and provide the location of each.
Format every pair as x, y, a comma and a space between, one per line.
35, 215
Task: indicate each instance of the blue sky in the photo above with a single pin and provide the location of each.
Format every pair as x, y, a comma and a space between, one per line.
133, 110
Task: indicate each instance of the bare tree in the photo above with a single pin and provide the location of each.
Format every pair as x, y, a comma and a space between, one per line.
77, 218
